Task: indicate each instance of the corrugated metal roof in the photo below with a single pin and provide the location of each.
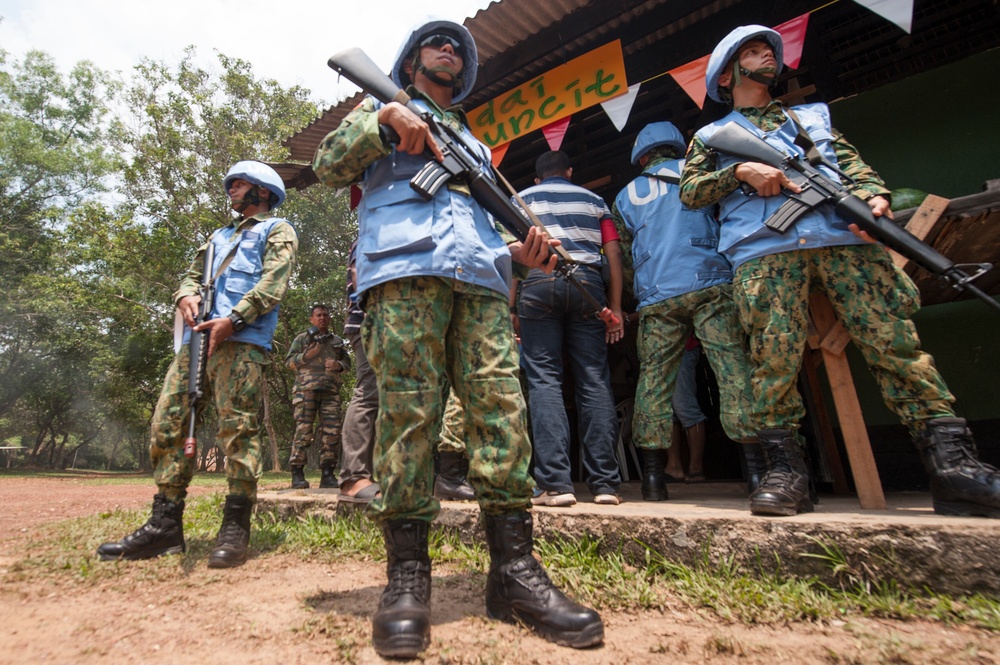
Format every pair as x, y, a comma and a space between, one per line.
496, 29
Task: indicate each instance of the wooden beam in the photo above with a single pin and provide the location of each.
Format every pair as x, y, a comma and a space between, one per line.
845, 399
923, 224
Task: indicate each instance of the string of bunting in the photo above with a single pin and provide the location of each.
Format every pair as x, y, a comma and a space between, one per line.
691, 76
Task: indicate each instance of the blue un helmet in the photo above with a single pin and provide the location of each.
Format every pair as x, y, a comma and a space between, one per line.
470, 56
729, 47
257, 173
654, 135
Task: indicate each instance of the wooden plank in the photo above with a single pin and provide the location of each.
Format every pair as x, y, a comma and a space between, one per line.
923, 224
836, 339
822, 427
852, 422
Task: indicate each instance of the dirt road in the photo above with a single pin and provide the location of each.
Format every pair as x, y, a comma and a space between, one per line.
278, 609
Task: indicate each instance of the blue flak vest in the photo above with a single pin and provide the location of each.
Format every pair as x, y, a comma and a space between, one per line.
240, 276
673, 246
743, 236
402, 235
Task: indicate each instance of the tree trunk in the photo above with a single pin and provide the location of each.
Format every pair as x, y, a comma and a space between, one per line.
269, 426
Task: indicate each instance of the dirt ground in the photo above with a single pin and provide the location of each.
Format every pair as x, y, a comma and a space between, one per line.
277, 609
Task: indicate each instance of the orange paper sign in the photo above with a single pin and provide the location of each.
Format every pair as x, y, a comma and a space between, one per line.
592, 78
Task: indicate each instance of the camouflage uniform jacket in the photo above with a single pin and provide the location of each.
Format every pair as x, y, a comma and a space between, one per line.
311, 374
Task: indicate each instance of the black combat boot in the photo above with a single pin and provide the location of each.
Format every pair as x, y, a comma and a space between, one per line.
233, 541
401, 628
329, 477
299, 481
753, 464
654, 479
450, 482
163, 533
784, 489
519, 590
960, 483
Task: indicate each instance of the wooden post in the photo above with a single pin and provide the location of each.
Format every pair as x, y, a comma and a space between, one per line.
833, 339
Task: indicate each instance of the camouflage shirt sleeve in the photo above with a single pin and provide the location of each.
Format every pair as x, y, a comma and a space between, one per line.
294, 359
191, 280
867, 182
345, 153
701, 184
624, 237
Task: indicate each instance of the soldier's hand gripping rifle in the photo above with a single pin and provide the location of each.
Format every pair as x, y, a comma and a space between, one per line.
459, 163
198, 346
819, 189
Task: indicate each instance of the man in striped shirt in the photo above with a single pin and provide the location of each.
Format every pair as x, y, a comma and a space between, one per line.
554, 317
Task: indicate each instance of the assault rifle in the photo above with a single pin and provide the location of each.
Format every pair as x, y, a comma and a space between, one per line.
818, 189
198, 346
459, 163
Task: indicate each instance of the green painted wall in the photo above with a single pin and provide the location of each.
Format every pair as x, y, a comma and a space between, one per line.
938, 131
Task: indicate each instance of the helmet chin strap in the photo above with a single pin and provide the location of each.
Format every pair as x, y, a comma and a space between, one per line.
765, 75
434, 74
252, 199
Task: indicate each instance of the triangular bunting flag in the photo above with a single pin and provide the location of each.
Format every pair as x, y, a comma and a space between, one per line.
619, 108
793, 34
498, 154
899, 12
555, 132
691, 77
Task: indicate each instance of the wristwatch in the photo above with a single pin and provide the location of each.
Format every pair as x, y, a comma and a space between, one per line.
238, 322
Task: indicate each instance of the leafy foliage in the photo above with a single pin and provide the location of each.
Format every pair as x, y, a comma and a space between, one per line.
107, 189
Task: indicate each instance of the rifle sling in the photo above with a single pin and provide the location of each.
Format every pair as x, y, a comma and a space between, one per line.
804, 141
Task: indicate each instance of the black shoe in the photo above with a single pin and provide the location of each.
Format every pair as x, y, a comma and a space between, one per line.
784, 490
519, 590
401, 627
960, 483
753, 464
329, 478
654, 478
232, 544
450, 483
299, 481
163, 533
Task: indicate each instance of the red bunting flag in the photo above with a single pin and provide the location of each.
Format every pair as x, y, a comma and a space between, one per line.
498, 154
555, 132
691, 77
793, 34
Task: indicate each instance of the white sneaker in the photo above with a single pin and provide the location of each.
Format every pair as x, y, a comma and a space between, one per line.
553, 498
608, 499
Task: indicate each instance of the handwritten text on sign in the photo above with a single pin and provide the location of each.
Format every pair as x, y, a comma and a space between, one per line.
592, 78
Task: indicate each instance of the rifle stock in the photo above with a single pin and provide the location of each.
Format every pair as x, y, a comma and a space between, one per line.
818, 189
198, 347
459, 161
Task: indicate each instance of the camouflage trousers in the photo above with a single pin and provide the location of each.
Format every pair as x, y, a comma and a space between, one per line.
233, 380
664, 328
305, 405
419, 333
872, 298
453, 430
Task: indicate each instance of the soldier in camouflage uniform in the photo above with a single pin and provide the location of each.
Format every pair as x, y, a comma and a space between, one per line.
319, 358
253, 260
774, 274
683, 285
433, 280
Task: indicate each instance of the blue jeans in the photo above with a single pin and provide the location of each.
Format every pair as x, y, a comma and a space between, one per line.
685, 399
555, 317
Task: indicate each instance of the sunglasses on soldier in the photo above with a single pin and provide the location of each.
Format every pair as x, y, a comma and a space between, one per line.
439, 40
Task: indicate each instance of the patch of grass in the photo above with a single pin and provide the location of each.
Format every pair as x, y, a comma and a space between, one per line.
586, 568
